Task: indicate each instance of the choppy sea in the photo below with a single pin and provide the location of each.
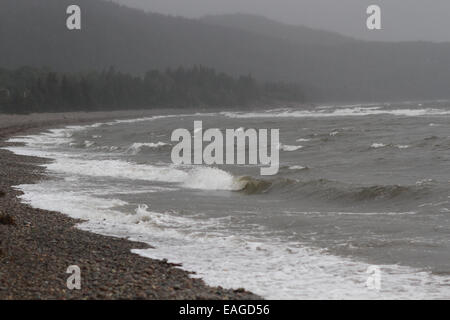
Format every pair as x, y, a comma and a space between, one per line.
358, 186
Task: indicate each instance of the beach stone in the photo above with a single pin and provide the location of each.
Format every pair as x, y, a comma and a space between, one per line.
6, 219
38, 250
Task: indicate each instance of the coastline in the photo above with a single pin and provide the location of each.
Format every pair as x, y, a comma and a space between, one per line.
37, 246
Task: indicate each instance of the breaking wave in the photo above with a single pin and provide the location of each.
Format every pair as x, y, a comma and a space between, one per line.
288, 148
378, 145
219, 250
137, 147
324, 189
224, 258
339, 112
204, 178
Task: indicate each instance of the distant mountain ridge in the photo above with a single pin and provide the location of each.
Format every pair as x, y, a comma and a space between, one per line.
331, 67
267, 27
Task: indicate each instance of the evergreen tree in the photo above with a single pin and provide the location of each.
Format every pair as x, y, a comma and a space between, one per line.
28, 90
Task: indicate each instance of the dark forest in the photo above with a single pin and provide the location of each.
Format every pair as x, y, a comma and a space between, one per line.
27, 90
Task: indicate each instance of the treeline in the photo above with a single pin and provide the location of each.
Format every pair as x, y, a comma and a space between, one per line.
28, 90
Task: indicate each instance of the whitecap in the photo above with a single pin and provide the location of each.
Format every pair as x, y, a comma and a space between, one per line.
288, 148
341, 112
377, 145
297, 168
137, 147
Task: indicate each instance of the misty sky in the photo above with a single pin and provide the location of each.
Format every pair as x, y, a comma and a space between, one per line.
401, 19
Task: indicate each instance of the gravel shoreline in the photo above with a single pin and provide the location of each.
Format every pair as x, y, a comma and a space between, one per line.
37, 246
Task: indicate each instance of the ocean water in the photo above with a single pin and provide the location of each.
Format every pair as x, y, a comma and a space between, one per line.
358, 186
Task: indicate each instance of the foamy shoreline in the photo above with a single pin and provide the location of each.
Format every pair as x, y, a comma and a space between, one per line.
336, 270
44, 244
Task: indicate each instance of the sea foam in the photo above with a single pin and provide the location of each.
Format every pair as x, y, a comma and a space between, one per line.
339, 112
254, 259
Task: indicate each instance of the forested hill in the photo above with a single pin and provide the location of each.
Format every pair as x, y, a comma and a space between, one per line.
327, 65
266, 27
28, 90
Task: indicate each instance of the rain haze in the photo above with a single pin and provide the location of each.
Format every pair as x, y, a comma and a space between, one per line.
274, 149
402, 20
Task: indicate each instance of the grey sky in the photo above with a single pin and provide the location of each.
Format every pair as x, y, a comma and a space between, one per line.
401, 19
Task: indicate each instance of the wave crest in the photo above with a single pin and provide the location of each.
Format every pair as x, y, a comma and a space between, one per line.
137, 147
324, 189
